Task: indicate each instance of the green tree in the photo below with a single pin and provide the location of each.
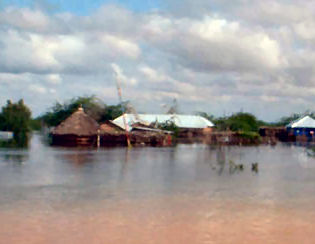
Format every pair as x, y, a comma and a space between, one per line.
36, 124
111, 112
221, 123
16, 117
91, 105
169, 125
237, 122
59, 112
243, 122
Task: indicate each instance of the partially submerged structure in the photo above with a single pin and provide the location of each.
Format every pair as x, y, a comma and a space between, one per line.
190, 127
81, 130
183, 122
303, 129
77, 130
112, 134
270, 135
300, 130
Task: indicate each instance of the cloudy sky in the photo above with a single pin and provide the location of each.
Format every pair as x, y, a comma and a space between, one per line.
217, 56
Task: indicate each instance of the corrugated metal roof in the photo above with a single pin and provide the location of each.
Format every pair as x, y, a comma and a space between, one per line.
182, 121
152, 130
305, 122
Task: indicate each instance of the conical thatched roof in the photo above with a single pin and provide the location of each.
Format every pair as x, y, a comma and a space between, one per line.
79, 124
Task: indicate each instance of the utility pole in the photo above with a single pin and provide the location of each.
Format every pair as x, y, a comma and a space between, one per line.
120, 100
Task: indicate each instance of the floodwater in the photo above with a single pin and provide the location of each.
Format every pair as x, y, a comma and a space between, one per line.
184, 194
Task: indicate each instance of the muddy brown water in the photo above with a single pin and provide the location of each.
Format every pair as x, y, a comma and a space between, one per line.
184, 194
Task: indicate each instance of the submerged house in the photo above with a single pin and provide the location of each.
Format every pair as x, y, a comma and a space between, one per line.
81, 130
180, 120
77, 130
112, 134
188, 125
271, 135
303, 129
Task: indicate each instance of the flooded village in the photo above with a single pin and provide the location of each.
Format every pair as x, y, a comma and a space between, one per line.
163, 176
157, 122
144, 129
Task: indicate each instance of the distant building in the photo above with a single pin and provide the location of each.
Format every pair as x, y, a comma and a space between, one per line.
303, 128
77, 130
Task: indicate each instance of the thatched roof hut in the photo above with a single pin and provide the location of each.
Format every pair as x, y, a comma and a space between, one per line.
78, 129
79, 124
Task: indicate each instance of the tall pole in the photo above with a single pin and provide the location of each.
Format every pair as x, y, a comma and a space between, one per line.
124, 115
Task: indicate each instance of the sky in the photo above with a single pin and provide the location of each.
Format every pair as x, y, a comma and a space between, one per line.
216, 56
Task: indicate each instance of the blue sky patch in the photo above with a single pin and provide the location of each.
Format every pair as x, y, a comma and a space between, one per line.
82, 7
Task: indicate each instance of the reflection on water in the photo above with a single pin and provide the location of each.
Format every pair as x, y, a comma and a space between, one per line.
185, 194
15, 158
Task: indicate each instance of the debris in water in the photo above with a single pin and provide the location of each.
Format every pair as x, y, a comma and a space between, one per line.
255, 167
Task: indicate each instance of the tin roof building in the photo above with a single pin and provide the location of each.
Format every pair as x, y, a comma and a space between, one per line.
305, 122
303, 129
181, 121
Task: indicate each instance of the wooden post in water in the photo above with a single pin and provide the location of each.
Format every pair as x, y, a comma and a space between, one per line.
98, 139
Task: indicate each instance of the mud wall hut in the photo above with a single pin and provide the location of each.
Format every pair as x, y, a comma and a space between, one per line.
112, 135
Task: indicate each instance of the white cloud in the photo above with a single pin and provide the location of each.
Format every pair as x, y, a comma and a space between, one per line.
37, 89
54, 79
151, 74
121, 46
121, 77
213, 44
52, 91
25, 18
212, 55
305, 30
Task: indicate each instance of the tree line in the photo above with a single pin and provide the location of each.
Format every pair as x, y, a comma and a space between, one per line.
92, 106
16, 117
